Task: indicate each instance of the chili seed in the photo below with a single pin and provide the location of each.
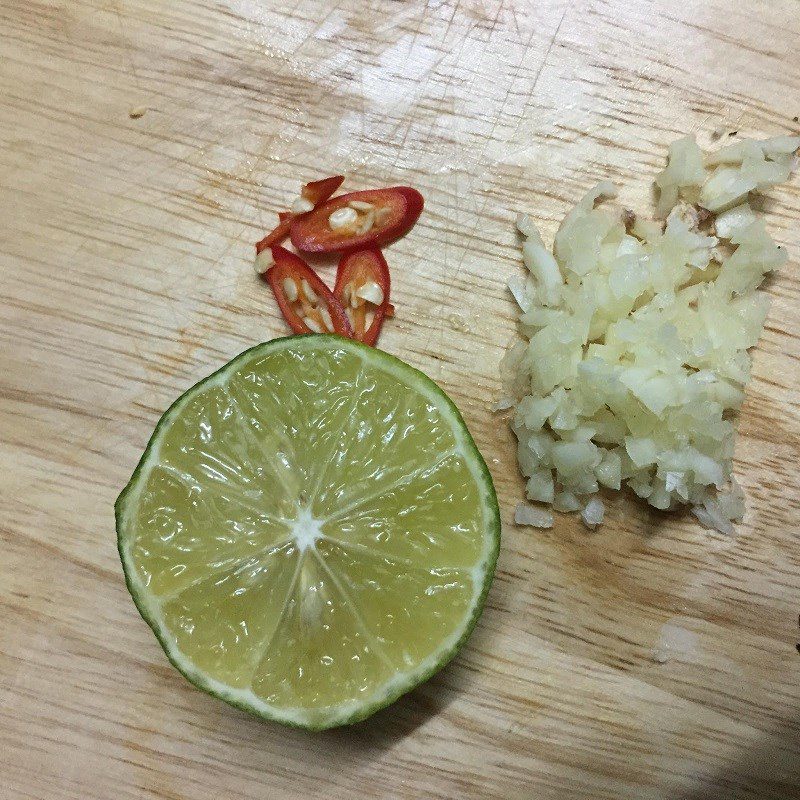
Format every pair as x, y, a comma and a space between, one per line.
371, 292
367, 222
309, 293
342, 218
263, 262
290, 289
302, 206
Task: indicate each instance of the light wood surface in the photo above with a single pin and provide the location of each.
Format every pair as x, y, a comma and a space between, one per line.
125, 275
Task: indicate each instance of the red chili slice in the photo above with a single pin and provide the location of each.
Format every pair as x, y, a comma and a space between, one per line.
377, 216
279, 234
362, 289
306, 303
315, 192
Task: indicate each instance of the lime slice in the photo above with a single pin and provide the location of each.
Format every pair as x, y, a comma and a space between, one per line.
311, 531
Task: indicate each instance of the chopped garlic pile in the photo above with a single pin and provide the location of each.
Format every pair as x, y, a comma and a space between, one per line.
635, 336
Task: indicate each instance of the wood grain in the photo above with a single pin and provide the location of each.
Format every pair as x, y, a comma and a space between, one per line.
126, 248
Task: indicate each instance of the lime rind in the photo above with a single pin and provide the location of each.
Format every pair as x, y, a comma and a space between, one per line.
403, 680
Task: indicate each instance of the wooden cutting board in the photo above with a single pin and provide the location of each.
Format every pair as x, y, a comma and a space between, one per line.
126, 249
